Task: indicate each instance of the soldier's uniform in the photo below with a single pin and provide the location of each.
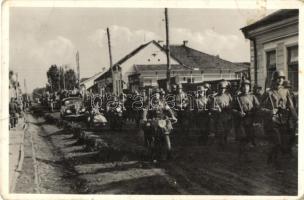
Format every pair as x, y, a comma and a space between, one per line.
245, 107
13, 113
208, 91
257, 93
278, 108
202, 114
158, 109
292, 122
180, 108
220, 106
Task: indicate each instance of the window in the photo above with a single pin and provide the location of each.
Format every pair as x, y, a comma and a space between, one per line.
270, 65
293, 66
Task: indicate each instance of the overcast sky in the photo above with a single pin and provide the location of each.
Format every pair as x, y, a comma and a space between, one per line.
40, 37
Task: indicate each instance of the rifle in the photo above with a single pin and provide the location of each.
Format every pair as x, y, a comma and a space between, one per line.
278, 113
240, 105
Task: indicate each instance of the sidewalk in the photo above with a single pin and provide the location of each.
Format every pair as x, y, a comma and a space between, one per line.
16, 136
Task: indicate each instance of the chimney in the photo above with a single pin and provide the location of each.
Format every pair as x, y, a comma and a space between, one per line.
185, 42
160, 42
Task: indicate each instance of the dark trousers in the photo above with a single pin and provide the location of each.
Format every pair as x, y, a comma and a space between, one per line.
13, 120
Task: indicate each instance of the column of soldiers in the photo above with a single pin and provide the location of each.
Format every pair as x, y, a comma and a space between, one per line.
216, 114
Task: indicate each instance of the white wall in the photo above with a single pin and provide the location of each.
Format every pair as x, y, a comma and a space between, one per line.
144, 57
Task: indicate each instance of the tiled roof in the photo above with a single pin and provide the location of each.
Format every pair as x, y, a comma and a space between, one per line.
242, 64
83, 79
187, 58
196, 59
132, 53
273, 17
140, 68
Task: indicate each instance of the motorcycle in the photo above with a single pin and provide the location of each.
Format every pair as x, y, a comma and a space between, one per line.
96, 119
116, 117
157, 137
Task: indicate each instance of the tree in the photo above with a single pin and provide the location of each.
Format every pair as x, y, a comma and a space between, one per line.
58, 78
70, 79
53, 77
38, 92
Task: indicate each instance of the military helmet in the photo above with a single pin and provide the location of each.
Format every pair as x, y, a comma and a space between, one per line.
162, 91
174, 86
277, 74
201, 88
207, 85
156, 90
223, 84
245, 82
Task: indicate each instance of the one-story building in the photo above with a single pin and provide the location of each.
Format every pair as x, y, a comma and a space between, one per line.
147, 64
274, 46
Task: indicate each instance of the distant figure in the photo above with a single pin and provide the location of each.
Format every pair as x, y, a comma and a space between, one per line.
13, 113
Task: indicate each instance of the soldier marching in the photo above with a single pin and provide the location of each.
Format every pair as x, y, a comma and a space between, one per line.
213, 115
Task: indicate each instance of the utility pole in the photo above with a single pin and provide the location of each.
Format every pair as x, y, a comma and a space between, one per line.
111, 63
17, 83
168, 50
64, 68
78, 69
25, 89
59, 84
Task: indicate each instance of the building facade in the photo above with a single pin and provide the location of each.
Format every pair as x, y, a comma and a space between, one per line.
274, 46
148, 75
145, 65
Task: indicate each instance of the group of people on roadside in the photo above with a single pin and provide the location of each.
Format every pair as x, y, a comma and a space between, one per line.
17, 107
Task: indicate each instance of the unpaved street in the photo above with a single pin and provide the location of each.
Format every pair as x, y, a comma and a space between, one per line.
57, 162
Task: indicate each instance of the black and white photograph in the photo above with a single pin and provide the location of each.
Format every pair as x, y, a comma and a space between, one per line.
152, 100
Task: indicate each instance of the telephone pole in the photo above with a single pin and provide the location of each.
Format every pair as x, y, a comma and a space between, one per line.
111, 63
25, 88
78, 69
168, 50
59, 82
64, 69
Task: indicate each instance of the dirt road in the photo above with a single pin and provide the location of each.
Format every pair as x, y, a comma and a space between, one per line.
63, 165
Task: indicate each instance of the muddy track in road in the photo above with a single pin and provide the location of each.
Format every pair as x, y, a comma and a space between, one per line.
119, 169
44, 168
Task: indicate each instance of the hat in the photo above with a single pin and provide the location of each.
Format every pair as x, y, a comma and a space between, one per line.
162, 91
206, 85
246, 82
201, 88
277, 74
156, 90
223, 84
